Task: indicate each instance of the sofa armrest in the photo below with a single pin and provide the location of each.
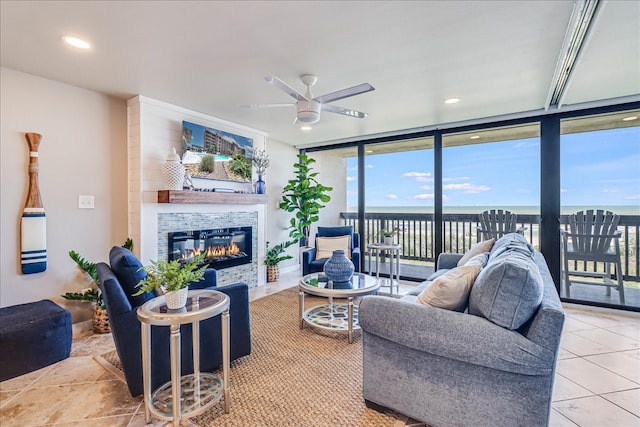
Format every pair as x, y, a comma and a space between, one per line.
460, 336
355, 258
210, 280
448, 260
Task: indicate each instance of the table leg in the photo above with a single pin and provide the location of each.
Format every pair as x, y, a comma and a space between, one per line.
195, 337
350, 318
225, 359
145, 330
174, 342
398, 271
377, 264
301, 311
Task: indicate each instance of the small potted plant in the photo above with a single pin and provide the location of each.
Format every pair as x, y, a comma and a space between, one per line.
387, 235
273, 258
261, 163
94, 295
173, 278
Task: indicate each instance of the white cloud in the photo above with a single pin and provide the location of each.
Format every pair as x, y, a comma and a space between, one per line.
425, 187
351, 178
525, 144
423, 196
467, 187
457, 178
564, 190
632, 197
416, 174
391, 196
610, 190
369, 166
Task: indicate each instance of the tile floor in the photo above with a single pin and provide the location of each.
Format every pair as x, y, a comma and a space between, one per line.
597, 382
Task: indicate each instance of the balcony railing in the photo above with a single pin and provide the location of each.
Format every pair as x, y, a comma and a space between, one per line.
416, 234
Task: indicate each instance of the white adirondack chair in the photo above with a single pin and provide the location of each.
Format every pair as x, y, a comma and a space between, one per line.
594, 238
496, 223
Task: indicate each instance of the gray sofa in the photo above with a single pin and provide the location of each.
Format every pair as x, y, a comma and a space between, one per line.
493, 367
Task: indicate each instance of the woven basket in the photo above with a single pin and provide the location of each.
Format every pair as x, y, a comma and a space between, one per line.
273, 273
101, 321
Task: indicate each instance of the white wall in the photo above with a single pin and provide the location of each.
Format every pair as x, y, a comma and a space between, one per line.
280, 171
83, 151
332, 172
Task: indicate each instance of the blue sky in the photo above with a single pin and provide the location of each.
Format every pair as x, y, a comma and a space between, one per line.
598, 168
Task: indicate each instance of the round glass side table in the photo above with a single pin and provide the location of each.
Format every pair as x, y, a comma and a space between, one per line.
185, 395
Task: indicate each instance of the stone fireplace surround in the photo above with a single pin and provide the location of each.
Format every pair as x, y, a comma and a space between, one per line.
170, 222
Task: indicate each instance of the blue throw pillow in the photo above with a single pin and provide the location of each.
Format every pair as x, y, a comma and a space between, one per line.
508, 290
127, 268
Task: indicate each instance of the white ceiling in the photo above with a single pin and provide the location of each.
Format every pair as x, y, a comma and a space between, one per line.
499, 57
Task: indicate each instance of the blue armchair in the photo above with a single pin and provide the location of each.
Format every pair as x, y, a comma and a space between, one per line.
309, 262
118, 282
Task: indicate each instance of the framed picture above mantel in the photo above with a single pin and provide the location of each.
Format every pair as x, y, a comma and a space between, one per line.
215, 154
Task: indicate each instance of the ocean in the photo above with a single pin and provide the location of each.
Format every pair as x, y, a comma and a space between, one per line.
523, 210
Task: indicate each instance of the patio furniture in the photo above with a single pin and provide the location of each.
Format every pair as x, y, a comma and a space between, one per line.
312, 263
496, 223
592, 238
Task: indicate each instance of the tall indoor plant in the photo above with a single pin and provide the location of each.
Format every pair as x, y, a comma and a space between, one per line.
304, 196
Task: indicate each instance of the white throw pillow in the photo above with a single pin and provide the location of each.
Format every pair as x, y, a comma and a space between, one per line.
478, 248
326, 245
451, 290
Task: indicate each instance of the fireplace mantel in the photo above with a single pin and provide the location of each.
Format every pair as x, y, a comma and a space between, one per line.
204, 197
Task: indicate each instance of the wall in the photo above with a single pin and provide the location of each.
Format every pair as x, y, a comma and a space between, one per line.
280, 171
332, 172
83, 151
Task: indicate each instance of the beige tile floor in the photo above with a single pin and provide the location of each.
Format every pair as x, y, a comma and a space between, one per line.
597, 381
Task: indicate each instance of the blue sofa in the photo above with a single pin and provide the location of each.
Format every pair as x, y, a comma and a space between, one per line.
309, 262
118, 283
492, 365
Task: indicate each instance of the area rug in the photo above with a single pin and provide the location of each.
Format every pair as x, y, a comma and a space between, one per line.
294, 377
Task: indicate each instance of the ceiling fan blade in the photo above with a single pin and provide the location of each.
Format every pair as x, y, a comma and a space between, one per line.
291, 104
344, 111
345, 93
273, 80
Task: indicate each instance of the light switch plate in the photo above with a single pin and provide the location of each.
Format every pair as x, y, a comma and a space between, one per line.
85, 202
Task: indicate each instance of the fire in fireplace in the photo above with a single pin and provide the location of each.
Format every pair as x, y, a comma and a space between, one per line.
222, 247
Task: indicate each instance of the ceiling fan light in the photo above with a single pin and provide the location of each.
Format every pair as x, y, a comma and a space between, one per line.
309, 117
452, 100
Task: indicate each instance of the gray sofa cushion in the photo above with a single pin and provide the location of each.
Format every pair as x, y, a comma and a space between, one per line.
509, 289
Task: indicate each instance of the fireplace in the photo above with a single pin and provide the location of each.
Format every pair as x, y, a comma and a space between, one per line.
223, 247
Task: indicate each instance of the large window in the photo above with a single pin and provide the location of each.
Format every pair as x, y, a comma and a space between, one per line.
600, 170
496, 168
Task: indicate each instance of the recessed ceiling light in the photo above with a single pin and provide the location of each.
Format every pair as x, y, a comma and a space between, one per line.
451, 100
628, 119
474, 137
76, 42
306, 128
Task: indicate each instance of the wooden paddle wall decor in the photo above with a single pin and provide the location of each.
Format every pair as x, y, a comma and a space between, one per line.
34, 225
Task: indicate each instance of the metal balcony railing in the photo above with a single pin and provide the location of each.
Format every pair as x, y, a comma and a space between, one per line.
416, 234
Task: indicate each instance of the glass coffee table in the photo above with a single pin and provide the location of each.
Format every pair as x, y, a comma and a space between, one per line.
334, 317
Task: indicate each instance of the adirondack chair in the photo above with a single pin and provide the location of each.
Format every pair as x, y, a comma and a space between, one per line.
593, 237
496, 223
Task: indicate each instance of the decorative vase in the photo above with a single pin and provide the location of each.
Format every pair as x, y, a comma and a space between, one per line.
388, 240
176, 299
261, 186
273, 273
173, 172
101, 321
339, 268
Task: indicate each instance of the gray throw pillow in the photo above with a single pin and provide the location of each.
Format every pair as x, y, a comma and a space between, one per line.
508, 290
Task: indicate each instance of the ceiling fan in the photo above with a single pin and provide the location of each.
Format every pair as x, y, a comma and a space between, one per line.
308, 107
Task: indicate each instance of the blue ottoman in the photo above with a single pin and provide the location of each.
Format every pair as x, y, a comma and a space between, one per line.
32, 336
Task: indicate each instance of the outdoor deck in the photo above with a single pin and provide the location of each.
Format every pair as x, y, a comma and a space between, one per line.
416, 235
